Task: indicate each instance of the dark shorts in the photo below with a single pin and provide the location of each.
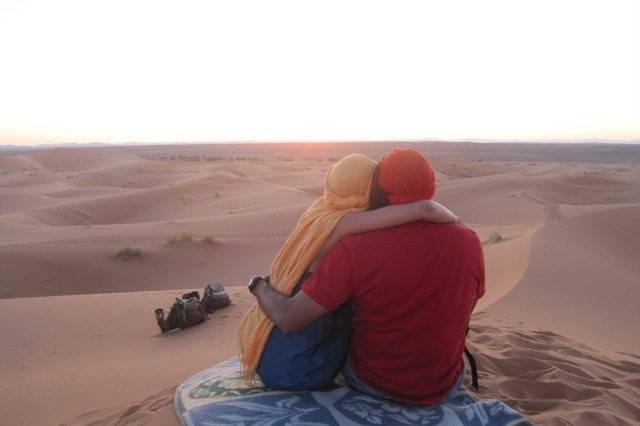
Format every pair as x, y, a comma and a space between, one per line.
310, 358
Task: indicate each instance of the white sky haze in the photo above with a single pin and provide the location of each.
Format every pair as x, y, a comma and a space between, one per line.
163, 71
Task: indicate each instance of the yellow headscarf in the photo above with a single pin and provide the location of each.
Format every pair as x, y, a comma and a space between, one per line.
347, 185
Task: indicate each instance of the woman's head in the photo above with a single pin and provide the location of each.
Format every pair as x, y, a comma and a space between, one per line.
402, 176
346, 189
348, 182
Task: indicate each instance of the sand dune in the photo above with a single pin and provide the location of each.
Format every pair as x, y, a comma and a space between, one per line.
506, 260
69, 159
498, 200
205, 197
514, 198
95, 269
79, 364
460, 167
16, 201
561, 243
18, 163
74, 353
553, 379
590, 264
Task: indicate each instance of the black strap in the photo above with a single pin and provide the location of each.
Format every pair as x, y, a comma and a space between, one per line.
472, 364
474, 368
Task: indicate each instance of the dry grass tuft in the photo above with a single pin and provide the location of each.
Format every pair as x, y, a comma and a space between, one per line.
128, 253
209, 240
185, 238
495, 237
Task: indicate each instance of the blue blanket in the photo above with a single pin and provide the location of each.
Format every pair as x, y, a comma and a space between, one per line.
217, 396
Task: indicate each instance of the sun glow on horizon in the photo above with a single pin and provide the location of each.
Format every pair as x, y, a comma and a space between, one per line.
159, 71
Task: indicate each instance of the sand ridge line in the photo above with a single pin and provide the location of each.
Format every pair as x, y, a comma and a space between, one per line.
593, 272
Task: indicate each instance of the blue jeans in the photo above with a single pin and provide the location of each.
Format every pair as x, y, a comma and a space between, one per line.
310, 358
358, 384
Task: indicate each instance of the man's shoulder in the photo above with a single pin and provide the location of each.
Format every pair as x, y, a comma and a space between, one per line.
455, 232
461, 230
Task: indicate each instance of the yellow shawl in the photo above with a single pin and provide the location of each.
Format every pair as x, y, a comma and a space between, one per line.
346, 189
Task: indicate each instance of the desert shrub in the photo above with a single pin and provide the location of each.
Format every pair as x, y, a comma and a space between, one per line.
495, 237
128, 253
184, 238
208, 240
187, 239
280, 158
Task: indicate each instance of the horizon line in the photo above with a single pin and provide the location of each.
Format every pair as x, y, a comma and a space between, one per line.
626, 141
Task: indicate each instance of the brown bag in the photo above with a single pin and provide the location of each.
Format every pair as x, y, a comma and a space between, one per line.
183, 314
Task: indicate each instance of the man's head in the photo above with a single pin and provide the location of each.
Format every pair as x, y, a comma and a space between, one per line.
402, 176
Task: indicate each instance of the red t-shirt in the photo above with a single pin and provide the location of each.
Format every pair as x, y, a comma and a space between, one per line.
413, 288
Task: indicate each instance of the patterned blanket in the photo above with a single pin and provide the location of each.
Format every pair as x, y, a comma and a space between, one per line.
217, 396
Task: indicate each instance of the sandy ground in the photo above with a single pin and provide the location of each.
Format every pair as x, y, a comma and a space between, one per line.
556, 335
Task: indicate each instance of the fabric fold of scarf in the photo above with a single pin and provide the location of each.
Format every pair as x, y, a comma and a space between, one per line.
347, 185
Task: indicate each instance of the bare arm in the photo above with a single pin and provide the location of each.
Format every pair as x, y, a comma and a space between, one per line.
288, 313
385, 217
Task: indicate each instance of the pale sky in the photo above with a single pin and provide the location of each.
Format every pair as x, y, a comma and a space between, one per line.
164, 71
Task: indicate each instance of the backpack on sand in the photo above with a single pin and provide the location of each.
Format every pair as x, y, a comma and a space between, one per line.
215, 298
184, 313
190, 310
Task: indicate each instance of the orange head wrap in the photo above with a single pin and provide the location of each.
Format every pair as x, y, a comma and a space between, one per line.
406, 176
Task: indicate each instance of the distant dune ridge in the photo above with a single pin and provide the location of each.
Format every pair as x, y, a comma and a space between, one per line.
556, 334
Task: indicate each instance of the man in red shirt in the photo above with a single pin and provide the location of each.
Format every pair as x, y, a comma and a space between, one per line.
413, 289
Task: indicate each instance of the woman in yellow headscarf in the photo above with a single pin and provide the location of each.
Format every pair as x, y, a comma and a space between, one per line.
310, 358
